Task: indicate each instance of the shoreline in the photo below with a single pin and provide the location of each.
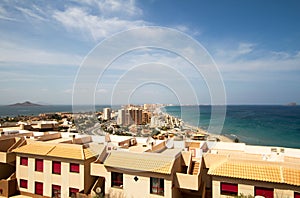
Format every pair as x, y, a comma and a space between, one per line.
220, 137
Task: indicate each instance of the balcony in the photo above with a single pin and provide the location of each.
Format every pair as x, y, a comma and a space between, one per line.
192, 179
187, 181
7, 146
7, 158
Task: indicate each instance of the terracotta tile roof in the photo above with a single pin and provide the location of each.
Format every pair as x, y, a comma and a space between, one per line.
245, 170
276, 173
93, 150
67, 151
148, 162
61, 150
212, 160
291, 176
35, 149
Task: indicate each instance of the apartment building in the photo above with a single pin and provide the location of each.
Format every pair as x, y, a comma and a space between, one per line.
55, 170
133, 115
64, 165
107, 113
234, 169
7, 164
148, 169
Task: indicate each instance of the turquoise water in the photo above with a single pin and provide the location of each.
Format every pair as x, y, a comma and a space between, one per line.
253, 124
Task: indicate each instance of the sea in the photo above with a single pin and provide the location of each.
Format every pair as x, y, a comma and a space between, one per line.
269, 125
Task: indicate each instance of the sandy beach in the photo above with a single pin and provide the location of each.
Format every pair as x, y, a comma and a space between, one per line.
222, 138
210, 136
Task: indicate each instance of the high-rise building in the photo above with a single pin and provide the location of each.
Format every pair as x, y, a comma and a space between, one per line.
132, 115
121, 117
135, 116
146, 117
106, 113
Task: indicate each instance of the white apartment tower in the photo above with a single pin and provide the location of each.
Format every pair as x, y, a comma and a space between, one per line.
106, 113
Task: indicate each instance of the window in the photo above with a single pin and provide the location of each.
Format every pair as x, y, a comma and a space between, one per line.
23, 183
229, 189
156, 186
38, 188
72, 192
24, 161
266, 192
74, 168
39, 165
117, 179
56, 167
56, 191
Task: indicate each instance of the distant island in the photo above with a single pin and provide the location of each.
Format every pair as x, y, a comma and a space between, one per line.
24, 104
292, 104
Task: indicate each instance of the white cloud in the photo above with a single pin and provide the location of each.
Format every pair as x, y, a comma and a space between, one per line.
245, 48
4, 15
68, 91
234, 50
248, 57
186, 29
268, 61
13, 52
115, 6
30, 13
101, 91
96, 26
124, 8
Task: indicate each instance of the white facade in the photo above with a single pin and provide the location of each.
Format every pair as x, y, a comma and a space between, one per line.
107, 113
121, 117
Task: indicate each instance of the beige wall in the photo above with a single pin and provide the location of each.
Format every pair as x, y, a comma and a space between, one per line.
140, 188
246, 189
216, 189
66, 179
132, 188
186, 158
280, 193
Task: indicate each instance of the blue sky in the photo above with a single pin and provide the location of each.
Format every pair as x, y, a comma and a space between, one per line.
255, 45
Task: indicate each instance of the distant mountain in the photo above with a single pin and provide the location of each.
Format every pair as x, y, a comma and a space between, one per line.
24, 104
292, 104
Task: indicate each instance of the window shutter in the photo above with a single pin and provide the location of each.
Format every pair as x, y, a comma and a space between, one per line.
74, 168
23, 183
39, 165
24, 161
266, 192
56, 167
229, 187
38, 188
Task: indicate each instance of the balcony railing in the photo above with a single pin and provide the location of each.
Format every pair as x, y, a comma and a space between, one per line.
187, 181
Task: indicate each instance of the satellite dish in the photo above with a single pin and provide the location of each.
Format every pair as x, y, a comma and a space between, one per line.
170, 143
98, 190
